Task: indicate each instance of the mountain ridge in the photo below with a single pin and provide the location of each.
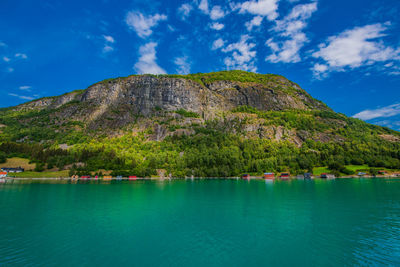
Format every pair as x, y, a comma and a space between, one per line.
180, 113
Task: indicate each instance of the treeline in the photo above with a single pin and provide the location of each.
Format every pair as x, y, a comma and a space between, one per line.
213, 154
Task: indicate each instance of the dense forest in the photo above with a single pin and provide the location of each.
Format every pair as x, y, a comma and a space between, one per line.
212, 152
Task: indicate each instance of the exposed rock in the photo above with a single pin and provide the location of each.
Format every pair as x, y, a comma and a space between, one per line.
160, 132
64, 146
118, 103
180, 132
164, 106
390, 138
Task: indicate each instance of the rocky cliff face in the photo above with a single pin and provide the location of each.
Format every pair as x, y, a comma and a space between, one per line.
242, 103
143, 95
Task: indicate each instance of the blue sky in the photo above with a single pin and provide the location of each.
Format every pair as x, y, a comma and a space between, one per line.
343, 52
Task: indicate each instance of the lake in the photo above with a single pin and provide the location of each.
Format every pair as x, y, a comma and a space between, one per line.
201, 223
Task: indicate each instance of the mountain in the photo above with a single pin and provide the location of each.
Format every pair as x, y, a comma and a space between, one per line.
215, 124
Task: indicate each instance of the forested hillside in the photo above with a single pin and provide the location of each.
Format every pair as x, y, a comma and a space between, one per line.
216, 124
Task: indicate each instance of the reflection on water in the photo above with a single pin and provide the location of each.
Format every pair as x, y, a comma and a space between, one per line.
201, 223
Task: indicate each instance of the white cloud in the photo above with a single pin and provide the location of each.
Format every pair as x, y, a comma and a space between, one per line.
184, 10
6, 59
21, 56
107, 49
183, 65
171, 28
388, 65
21, 96
217, 13
142, 24
319, 71
360, 46
384, 112
266, 8
203, 6
10, 69
2, 44
147, 61
290, 32
25, 88
109, 39
107, 46
242, 55
255, 22
218, 44
389, 123
217, 26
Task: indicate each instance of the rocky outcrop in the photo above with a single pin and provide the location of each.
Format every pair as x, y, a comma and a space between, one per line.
52, 102
390, 138
141, 100
168, 106
142, 95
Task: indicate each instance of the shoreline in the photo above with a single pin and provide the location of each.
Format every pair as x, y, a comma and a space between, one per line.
69, 179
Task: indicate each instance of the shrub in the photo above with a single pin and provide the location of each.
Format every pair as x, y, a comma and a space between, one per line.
39, 167
188, 114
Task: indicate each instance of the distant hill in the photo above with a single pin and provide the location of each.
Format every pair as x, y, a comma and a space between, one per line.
214, 124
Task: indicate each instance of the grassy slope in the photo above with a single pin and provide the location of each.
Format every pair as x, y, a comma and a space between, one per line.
47, 174
18, 162
355, 168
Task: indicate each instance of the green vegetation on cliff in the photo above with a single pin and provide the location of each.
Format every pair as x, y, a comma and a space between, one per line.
88, 132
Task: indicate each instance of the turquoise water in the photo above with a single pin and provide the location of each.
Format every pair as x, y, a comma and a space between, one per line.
201, 223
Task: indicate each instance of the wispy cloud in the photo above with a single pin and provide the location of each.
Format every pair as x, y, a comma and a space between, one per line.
267, 8
183, 64
217, 44
184, 10
21, 96
142, 24
25, 88
360, 46
255, 22
243, 55
147, 61
109, 38
217, 26
6, 59
203, 6
394, 124
108, 44
21, 56
217, 13
291, 35
383, 112
2, 44
107, 49
10, 69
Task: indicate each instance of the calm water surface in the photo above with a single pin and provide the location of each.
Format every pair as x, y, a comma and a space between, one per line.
201, 223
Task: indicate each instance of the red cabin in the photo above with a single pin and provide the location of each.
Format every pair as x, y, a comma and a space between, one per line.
85, 177
132, 178
284, 175
246, 176
269, 175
